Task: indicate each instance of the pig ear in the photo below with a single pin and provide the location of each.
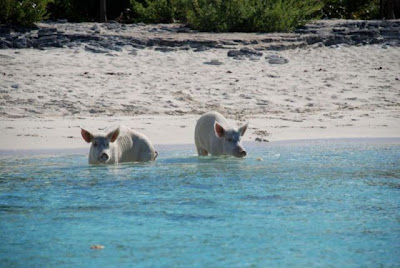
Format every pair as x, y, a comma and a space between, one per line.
113, 135
243, 129
219, 130
86, 135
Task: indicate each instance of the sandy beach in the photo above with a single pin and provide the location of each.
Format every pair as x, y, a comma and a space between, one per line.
311, 92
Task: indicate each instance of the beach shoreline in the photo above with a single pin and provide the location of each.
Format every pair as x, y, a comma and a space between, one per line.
312, 91
190, 147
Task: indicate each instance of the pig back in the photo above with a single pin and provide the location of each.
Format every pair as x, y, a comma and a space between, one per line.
134, 146
204, 132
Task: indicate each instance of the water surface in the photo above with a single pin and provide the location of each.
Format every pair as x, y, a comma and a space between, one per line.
325, 203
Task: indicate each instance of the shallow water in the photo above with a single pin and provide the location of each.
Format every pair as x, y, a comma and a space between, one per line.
329, 203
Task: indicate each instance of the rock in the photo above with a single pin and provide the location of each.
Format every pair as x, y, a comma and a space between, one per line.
112, 54
113, 25
244, 52
4, 44
275, 59
46, 31
20, 43
116, 48
254, 58
334, 40
165, 49
250, 52
15, 86
184, 29
233, 53
47, 41
133, 52
390, 33
96, 29
96, 49
214, 62
62, 20
201, 49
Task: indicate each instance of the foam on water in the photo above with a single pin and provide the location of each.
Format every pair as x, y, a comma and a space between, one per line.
323, 204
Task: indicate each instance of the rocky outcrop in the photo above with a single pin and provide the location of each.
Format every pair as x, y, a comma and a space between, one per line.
107, 37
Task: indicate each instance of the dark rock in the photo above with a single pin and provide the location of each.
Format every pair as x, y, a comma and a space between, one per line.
201, 49
62, 20
46, 31
359, 38
4, 44
277, 47
48, 41
20, 43
334, 40
390, 33
310, 39
370, 33
233, 53
116, 48
249, 51
183, 30
71, 44
244, 53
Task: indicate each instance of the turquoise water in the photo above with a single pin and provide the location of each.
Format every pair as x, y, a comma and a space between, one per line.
328, 203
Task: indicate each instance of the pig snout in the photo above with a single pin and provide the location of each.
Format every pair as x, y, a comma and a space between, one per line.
240, 152
103, 158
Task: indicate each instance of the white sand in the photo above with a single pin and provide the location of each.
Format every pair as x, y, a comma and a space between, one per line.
321, 93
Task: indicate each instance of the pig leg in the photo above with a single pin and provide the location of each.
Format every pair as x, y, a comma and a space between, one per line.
201, 151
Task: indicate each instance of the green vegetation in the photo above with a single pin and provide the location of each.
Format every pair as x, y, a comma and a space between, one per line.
251, 15
22, 12
203, 15
350, 9
152, 11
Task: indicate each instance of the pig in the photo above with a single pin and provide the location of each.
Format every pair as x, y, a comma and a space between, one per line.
119, 145
214, 135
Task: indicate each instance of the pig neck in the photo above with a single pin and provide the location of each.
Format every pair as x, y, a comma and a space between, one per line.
217, 146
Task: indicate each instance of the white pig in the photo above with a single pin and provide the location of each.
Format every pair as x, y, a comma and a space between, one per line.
214, 135
119, 145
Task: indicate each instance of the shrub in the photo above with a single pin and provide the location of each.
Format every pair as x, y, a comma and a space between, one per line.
152, 11
22, 12
350, 9
251, 15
